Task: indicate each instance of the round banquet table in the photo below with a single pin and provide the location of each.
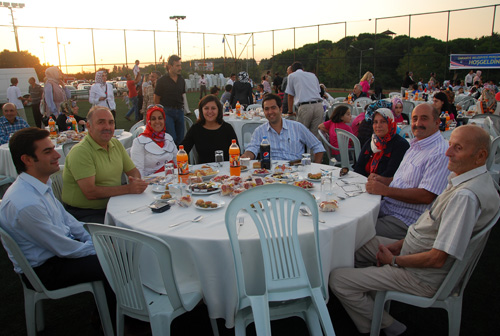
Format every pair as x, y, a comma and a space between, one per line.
7, 165
201, 251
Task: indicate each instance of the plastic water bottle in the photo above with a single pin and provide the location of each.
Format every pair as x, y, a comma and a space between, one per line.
234, 159
265, 154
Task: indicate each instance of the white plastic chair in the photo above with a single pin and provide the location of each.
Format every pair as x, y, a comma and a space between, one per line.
343, 138
246, 133
66, 147
329, 111
489, 127
253, 106
362, 102
119, 252
406, 132
450, 293
408, 107
188, 123
33, 308
466, 102
325, 138
57, 183
493, 162
394, 94
138, 131
136, 125
197, 114
288, 290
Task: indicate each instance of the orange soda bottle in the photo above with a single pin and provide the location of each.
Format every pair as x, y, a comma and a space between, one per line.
447, 116
52, 128
238, 108
234, 159
182, 165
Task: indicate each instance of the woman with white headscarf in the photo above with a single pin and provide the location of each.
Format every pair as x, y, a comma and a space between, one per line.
383, 154
55, 91
242, 91
101, 93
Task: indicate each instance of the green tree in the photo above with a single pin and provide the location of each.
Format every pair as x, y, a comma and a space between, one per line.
22, 59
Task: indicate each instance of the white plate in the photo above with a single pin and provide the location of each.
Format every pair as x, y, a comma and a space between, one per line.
208, 177
313, 180
219, 205
198, 193
159, 189
244, 170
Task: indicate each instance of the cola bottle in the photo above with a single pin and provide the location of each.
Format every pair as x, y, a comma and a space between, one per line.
265, 154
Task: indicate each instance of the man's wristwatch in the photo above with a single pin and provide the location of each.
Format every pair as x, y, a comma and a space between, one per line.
393, 262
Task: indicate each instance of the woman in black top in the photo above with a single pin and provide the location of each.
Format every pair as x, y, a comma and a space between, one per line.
242, 91
211, 132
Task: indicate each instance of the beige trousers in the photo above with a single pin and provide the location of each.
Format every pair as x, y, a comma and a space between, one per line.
311, 116
356, 287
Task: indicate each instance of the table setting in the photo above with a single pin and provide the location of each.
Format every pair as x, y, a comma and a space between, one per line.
194, 224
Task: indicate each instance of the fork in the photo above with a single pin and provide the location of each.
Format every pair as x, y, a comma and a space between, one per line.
241, 221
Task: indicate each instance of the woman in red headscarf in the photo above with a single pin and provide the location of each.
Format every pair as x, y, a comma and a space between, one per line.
153, 148
383, 154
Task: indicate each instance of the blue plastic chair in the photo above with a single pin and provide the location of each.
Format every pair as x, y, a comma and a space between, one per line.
33, 298
288, 290
119, 252
450, 293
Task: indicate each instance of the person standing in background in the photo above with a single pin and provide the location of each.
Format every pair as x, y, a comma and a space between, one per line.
15, 97
283, 88
170, 92
469, 79
101, 92
35, 91
203, 86
149, 92
133, 96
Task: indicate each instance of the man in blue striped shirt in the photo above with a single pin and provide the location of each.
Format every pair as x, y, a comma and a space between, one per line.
287, 138
420, 178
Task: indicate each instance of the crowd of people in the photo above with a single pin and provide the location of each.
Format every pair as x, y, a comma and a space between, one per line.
435, 194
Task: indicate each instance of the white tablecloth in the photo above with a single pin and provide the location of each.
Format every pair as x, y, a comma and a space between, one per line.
202, 252
7, 165
238, 126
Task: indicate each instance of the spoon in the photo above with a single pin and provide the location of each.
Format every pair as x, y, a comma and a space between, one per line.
306, 212
194, 220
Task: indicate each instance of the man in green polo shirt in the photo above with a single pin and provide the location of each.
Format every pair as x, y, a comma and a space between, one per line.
93, 170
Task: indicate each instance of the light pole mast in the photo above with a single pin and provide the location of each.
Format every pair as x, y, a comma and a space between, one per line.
177, 18
360, 57
11, 5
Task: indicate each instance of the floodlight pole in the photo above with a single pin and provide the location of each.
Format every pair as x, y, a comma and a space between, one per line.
177, 18
360, 57
11, 5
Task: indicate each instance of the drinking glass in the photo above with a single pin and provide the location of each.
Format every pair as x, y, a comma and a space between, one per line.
306, 162
219, 157
245, 162
169, 172
326, 187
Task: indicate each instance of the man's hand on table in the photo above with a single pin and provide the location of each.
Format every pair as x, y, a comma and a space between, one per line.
136, 185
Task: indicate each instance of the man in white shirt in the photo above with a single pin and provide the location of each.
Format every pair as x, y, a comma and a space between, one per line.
469, 79
15, 97
418, 263
303, 90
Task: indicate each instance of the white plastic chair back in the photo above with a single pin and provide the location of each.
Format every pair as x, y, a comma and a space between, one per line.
33, 308
408, 107
57, 183
197, 114
493, 162
138, 131
329, 111
188, 123
362, 102
467, 102
285, 273
136, 125
253, 106
67, 147
193, 156
325, 138
119, 252
394, 94
246, 133
343, 138
450, 293
406, 132
489, 127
